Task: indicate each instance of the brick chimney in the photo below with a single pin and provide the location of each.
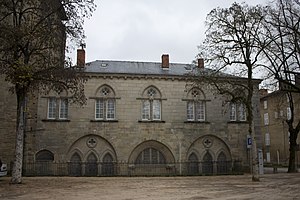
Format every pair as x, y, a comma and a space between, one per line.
80, 57
263, 92
201, 63
165, 61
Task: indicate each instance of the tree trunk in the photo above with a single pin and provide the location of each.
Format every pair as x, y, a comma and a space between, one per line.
255, 164
293, 144
18, 162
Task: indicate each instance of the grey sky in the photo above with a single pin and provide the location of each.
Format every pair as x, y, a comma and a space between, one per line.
143, 30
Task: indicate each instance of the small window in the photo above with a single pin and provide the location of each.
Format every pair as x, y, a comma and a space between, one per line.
237, 112
267, 139
51, 108
266, 119
63, 110
232, 112
276, 115
288, 113
265, 104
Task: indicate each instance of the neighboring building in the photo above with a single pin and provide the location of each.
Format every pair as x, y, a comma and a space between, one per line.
8, 100
275, 109
140, 119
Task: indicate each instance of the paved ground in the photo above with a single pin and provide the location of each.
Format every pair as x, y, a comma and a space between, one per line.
272, 186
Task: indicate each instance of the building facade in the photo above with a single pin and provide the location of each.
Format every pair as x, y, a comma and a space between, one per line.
140, 119
275, 110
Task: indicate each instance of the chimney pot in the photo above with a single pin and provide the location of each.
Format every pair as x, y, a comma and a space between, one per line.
80, 57
201, 63
165, 61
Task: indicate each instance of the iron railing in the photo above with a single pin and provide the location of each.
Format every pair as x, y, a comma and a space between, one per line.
49, 168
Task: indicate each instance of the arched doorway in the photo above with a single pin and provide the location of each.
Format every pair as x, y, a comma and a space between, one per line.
193, 164
222, 164
75, 165
108, 165
44, 163
207, 164
91, 167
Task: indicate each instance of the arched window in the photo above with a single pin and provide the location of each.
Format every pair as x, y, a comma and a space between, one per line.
196, 106
207, 164
193, 167
107, 165
75, 165
44, 155
105, 107
222, 164
151, 104
91, 165
150, 156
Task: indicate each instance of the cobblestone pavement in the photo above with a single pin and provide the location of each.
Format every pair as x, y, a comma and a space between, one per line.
271, 186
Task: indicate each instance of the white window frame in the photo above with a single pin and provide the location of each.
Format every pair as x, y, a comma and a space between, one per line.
267, 139
103, 111
63, 108
110, 111
242, 112
196, 111
237, 112
51, 113
266, 119
288, 113
232, 112
265, 104
150, 111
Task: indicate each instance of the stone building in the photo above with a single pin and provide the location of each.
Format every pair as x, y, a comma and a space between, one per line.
274, 112
140, 119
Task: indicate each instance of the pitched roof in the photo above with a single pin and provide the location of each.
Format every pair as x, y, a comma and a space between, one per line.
145, 68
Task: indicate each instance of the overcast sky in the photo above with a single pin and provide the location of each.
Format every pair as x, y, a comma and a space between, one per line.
143, 30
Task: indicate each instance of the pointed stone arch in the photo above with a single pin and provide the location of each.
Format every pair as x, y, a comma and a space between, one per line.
207, 163
108, 165
223, 165
208, 147
91, 167
193, 164
75, 168
105, 91
91, 145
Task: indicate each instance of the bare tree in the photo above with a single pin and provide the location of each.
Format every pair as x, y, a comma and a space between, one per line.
282, 27
231, 45
32, 46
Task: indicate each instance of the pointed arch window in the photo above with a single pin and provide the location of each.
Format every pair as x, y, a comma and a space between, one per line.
151, 104
196, 106
105, 105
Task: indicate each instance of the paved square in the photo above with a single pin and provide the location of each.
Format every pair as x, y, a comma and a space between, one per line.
272, 186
